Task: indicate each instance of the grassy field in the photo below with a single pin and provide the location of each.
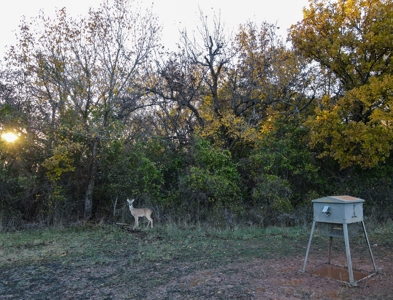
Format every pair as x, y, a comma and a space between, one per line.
167, 262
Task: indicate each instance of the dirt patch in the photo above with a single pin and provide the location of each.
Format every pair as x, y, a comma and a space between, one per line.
269, 279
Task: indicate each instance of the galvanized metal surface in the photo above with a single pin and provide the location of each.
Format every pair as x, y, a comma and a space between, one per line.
342, 210
338, 199
338, 209
338, 213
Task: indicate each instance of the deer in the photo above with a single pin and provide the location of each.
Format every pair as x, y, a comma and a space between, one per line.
140, 212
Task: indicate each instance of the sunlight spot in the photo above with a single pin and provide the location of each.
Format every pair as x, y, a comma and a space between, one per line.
9, 137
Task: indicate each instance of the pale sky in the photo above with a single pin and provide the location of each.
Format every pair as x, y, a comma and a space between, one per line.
173, 14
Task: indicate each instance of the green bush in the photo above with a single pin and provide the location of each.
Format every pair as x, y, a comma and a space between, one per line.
210, 181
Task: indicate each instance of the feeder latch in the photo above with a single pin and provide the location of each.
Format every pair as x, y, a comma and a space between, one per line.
326, 210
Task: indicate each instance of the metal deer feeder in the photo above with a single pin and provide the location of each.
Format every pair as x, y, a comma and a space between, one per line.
338, 212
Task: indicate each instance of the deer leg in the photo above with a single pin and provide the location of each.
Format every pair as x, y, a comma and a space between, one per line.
136, 221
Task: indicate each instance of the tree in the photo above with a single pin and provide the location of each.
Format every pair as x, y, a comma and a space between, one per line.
18, 172
189, 81
178, 86
210, 53
264, 81
83, 76
351, 40
269, 81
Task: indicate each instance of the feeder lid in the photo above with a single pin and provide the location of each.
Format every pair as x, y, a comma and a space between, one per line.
338, 199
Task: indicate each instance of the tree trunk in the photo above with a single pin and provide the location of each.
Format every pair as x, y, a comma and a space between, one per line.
90, 187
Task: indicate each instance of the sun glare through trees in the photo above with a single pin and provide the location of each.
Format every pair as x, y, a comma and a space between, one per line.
9, 137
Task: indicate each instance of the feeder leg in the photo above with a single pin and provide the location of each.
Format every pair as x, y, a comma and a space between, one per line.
330, 248
348, 251
308, 247
369, 247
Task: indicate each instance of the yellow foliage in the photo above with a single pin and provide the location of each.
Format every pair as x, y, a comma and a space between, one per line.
60, 162
262, 87
228, 124
351, 39
363, 140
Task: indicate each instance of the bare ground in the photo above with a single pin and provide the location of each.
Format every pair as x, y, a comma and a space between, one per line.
225, 276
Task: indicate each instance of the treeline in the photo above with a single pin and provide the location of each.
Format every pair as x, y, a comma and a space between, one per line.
225, 129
